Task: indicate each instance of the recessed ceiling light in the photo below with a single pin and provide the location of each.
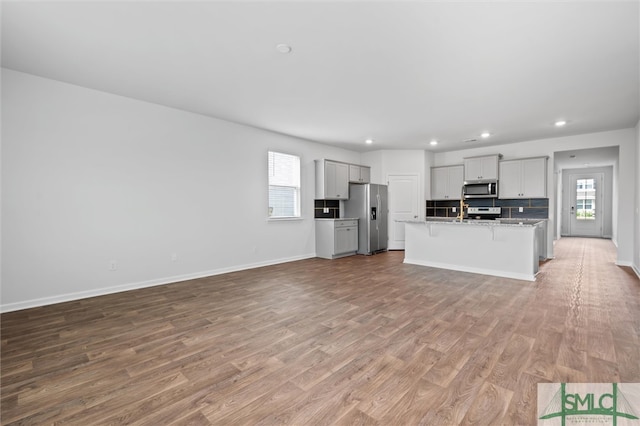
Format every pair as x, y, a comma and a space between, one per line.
283, 48
434, 142
369, 141
560, 123
485, 135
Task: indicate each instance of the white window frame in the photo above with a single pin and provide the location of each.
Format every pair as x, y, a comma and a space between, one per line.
295, 184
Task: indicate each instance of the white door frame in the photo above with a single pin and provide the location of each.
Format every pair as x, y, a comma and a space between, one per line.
580, 228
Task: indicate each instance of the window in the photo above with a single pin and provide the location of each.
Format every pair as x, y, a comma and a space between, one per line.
585, 199
284, 185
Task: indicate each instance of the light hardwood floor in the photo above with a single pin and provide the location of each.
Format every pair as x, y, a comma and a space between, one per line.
359, 340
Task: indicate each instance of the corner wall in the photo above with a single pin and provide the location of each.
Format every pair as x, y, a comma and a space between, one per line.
89, 178
636, 262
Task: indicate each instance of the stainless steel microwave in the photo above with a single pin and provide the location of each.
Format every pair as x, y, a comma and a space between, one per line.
480, 189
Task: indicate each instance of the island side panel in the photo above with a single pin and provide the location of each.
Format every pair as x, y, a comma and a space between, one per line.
499, 250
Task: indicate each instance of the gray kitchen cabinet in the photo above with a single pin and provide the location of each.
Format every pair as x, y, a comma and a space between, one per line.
523, 178
359, 174
481, 168
446, 182
336, 237
332, 180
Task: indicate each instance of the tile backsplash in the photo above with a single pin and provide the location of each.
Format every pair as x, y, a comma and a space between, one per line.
534, 208
331, 207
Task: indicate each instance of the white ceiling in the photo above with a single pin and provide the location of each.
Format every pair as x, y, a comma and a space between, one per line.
402, 73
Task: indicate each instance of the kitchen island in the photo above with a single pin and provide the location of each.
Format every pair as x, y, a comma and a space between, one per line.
487, 247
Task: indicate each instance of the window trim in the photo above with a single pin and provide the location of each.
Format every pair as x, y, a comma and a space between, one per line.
298, 188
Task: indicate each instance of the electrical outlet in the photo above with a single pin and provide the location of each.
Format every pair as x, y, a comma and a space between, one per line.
520, 209
454, 209
174, 257
113, 265
325, 210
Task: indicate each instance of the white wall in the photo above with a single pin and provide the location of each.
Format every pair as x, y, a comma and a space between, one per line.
429, 158
89, 177
615, 201
399, 162
624, 227
390, 162
636, 244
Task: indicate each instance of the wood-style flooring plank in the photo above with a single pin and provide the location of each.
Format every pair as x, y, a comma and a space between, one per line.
489, 406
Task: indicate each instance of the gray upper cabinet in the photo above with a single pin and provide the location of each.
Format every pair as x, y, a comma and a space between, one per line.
481, 168
332, 180
446, 182
524, 178
359, 174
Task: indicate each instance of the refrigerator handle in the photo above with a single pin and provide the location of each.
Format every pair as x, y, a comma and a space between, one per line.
378, 204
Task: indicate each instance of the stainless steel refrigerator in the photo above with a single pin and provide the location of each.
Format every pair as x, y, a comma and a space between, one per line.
369, 203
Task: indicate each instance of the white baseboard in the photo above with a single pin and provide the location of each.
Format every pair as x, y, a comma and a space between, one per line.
32, 303
629, 264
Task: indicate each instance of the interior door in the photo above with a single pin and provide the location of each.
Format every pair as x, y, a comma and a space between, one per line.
403, 192
585, 210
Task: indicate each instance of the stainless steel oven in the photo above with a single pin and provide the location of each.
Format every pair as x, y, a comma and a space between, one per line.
484, 213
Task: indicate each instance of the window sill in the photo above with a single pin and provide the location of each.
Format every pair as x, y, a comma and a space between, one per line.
284, 218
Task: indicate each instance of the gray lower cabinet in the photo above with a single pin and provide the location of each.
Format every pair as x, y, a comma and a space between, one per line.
336, 237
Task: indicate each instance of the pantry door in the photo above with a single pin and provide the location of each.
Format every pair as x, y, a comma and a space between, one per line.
403, 205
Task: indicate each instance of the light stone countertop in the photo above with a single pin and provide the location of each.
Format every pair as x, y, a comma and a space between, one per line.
337, 218
477, 222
